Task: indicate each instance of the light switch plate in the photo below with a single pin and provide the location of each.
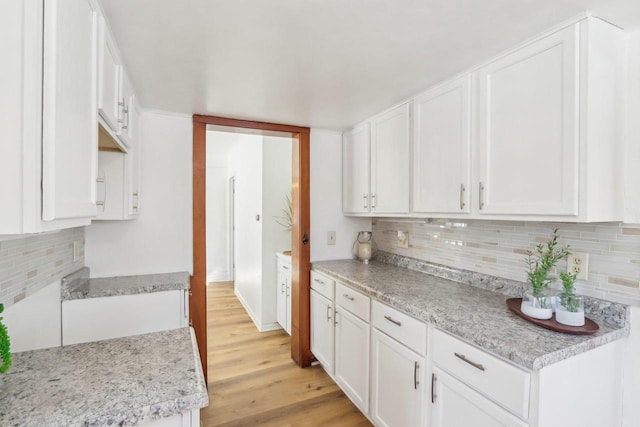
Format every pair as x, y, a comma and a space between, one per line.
331, 237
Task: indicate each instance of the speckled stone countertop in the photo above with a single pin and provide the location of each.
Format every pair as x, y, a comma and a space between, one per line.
474, 314
122, 382
78, 285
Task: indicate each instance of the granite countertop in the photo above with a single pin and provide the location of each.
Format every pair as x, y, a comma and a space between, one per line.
122, 381
474, 314
78, 285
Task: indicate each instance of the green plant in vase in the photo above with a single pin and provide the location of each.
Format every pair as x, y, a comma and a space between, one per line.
5, 345
568, 297
286, 220
570, 310
540, 262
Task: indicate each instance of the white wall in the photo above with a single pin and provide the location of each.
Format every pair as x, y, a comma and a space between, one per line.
326, 199
276, 183
218, 146
245, 163
160, 240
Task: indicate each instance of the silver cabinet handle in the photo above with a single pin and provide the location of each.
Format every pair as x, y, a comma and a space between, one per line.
328, 313
464, 359
366, 204
282, 285
318, 281
395, 322
462, 189
373, 201
135, 205
125, 122
288, 289
416, 366
349, 297
185, 298
102, 180
120, 110
480, 196
434, 378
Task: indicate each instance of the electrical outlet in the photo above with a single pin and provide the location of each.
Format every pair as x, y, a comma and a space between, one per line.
76, 250
331, 237
403, 239
578, 264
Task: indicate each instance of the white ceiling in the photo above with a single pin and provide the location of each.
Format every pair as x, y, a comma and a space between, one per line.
319, 63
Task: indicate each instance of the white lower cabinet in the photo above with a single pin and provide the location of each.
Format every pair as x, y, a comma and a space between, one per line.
352, 357
283, 297
397, 383
456, 405
322, 331
94, 319
187, 419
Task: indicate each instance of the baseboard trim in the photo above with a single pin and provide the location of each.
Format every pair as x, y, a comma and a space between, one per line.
250, 312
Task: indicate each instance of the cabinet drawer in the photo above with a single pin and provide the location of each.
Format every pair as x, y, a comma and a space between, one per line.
409, 331
352, 300
284, 265
503, 383
322, 284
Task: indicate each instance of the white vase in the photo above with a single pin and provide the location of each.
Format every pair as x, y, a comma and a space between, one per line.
571, 314
537, 307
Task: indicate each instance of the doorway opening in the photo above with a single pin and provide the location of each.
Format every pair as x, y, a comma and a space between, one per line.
300, 222
248, 219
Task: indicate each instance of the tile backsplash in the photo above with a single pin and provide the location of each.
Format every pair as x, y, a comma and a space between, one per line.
499, 248
31, 262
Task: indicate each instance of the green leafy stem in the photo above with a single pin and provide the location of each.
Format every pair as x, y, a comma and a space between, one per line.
5, 345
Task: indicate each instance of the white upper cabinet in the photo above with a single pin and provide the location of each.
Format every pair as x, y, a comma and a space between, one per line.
442, 148
528, 134
534, 134
390, 161
69, 131
109, 75
355, 170
376, 165
550, 127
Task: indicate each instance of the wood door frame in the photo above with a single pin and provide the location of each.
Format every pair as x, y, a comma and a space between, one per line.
300, 230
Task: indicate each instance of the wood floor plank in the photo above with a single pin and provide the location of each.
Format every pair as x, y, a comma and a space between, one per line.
253, 381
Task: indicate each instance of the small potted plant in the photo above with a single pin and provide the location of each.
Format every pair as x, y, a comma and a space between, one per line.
286, 220
570, 309
5, 346
538, 304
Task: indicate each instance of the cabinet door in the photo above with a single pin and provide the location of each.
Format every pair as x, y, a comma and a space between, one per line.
355, 170
288, 303
352, 357
111, 185
456, 404
528, 129
70, 130
281, 301
127, 131
322, 331
390, 163
397, 383
442, 150
109, 72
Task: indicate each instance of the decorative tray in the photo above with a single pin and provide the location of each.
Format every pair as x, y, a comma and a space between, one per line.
590, 327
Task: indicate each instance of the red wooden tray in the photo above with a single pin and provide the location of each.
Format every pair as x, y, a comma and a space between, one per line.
590, 327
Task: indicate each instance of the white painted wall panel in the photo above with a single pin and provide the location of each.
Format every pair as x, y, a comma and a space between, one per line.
35, 322
160, 240
326, 199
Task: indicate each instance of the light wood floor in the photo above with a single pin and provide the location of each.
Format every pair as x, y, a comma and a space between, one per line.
253, 381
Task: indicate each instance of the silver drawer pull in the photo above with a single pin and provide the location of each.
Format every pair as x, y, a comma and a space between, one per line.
464, 359
285, 267
318, 281
395, 322
328, 313
349, 297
